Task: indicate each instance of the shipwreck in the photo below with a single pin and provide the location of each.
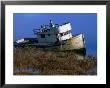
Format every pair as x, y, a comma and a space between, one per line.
55, 37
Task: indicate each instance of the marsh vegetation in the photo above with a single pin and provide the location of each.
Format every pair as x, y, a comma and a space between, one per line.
34, 61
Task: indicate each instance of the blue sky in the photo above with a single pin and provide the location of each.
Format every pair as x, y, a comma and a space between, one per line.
85, 23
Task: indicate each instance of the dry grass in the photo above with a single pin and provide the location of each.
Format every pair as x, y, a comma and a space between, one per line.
23, 73
51, 63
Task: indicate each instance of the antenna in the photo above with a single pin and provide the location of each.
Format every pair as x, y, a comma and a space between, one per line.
51, 23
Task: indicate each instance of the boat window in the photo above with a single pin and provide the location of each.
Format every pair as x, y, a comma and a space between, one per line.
48, 29
45, 30
42, 35
48, 34
65, 33
61, 34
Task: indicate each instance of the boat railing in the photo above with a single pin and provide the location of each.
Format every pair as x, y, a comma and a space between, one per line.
36, 31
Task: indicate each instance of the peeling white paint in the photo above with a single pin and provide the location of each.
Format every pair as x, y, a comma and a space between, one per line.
64, 28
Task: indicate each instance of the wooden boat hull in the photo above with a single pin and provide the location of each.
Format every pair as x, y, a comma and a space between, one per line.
76, 44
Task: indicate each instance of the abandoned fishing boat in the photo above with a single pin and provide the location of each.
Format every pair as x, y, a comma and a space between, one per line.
54, 37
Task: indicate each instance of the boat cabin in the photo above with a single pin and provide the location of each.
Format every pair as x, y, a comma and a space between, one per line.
52, 33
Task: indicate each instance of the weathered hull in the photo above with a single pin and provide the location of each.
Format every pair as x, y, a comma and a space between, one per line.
76, 44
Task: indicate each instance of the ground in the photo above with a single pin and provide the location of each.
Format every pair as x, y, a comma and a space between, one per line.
34, 61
